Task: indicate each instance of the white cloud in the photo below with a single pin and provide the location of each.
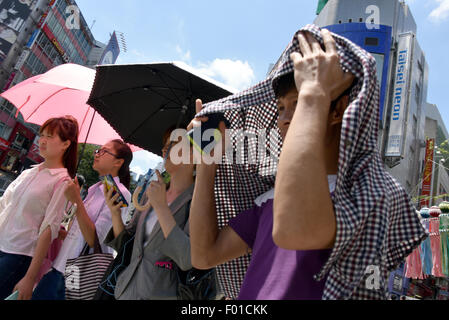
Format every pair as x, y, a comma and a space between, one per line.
137, 170
133, 56
144, 160
184, 56
234, 73
441, 12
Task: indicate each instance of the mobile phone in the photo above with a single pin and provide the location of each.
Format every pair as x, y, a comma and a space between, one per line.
195, 135
13, 296
109, 183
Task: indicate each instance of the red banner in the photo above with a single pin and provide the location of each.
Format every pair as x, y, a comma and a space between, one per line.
4, 144
10, 79
56, 43
34, 155
427, 175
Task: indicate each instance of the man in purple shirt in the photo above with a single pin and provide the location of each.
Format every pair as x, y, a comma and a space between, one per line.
273, 273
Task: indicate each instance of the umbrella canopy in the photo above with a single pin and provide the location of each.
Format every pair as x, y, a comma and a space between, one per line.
141, 101
61, 91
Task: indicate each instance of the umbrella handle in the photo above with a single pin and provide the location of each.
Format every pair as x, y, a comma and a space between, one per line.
136, 203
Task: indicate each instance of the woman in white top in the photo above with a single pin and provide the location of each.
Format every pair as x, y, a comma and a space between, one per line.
91, 216
32, 206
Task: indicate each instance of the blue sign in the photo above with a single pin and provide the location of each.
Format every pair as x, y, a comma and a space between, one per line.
111, 52
33, 37
376, 41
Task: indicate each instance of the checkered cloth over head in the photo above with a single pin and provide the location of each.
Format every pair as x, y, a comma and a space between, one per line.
377, 225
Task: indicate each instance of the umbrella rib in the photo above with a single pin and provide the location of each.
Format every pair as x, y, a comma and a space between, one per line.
166, 84
143, 122
135, 88
48, 98
173, 79
18, 110
163, 96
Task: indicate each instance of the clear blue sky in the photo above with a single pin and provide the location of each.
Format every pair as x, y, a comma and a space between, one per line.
235, 41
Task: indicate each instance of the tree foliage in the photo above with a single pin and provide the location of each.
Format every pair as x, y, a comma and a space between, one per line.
85, 165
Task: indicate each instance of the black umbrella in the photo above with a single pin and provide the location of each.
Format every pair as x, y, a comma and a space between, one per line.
142, 101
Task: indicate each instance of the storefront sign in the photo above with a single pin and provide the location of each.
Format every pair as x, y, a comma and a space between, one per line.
111, 52
4, 144
44, 16
428, 169
22, 59
13, 14
395, 146
56, 43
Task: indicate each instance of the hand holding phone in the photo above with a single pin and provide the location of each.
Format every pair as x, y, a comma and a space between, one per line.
197, 136
109, 183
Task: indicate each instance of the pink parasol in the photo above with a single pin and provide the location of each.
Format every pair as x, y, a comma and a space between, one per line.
63, 90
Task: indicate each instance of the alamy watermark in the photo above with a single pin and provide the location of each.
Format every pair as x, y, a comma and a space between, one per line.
372, 282
373, 20
72, 22
256, 147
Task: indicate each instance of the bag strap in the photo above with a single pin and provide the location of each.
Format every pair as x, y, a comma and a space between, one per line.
186, 197
97, 247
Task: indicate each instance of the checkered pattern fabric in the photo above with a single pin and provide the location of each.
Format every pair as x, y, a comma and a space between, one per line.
377, 225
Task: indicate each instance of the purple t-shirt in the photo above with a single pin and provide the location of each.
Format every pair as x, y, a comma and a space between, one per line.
275, 273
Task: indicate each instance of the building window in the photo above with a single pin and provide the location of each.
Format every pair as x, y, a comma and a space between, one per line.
418, 94
35, 65
415, 124
5, 131
19, 140
7, 107
379, 66
371, 41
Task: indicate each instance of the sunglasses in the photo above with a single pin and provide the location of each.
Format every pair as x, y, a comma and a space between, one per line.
101, 152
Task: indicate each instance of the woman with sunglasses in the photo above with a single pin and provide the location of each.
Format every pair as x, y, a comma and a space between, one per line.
161, 239
91, 216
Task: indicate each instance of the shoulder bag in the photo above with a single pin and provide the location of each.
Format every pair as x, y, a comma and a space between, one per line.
83, 274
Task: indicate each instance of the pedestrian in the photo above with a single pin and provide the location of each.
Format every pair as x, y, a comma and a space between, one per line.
341, 255
369, 221
91, 215
32, 206
159, 235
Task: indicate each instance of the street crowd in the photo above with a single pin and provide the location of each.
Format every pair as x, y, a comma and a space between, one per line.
330, 224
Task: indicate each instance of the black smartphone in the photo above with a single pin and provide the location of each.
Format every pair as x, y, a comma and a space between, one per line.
195, 135
109, 183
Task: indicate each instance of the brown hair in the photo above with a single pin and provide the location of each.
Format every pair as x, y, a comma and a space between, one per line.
123, 151
67, 129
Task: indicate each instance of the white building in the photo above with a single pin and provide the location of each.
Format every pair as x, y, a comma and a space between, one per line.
387, 29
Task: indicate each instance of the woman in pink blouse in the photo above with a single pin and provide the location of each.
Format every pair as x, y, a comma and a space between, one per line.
32, 206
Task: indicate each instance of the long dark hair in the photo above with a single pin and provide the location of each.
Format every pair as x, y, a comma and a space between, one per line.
123, 151
67, 129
